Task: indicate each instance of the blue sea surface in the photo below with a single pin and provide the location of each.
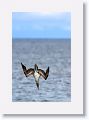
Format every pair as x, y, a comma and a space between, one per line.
53, 53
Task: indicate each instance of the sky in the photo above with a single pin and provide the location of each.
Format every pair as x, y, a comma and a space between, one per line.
41, 25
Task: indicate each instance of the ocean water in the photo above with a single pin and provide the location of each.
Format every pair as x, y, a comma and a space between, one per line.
53, 53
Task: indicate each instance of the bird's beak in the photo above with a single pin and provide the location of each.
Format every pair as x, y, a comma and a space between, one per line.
37, 84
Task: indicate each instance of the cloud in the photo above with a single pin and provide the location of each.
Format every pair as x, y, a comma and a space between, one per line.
37, 23
37, 27
39, 15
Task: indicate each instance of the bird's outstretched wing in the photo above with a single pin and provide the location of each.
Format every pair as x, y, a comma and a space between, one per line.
44, 74
27, 72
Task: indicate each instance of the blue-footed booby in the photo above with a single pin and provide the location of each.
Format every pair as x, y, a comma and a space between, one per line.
36, 73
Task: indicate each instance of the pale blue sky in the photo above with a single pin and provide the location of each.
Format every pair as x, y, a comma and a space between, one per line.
41, 25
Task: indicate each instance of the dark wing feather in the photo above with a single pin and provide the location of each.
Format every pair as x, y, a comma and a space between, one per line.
30, 71
27, 72
43, 74
23, 67
47, 72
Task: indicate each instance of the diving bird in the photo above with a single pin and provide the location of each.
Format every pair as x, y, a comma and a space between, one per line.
36, 73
